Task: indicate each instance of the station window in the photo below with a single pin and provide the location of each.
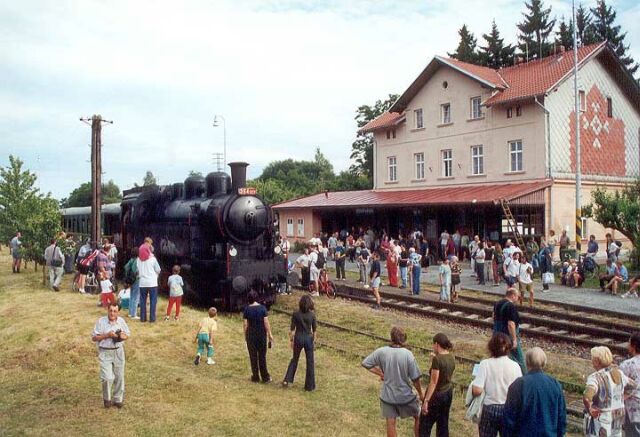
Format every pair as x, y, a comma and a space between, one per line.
419, 160
419, 120
515, 155
290, 227
476, 108
392, 169
447, 163
445, 113
609, 107
584, 234
477, 160
509, 112
300, 227
583, 101
518, 111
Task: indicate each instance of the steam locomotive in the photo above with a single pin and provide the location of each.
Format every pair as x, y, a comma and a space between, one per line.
216, 229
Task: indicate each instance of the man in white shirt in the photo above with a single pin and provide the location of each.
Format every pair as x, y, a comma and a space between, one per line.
525, 283
511, 269
109, 335
148, 272
314, 271
54, 259
473, 247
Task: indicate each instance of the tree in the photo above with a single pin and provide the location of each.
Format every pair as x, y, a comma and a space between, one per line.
192, 173
272, 190
466, 50
585, 31
564, 34
24, 208
82, 195
618, 210
362, 147
535, 30
495, 54
604, 29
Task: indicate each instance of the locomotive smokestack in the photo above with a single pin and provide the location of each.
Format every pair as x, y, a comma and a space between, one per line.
238, 175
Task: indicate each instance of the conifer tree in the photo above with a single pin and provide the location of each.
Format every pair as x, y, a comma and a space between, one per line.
466, 50
535, 30
495, 54
564, 34
604, 29
585, 26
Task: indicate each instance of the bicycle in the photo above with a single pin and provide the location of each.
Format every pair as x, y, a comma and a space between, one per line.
325, 285
91, 285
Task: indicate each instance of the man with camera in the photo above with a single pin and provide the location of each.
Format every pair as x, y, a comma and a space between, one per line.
110, 333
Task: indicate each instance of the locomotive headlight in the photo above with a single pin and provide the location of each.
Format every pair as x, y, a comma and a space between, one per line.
233, 251
277, 250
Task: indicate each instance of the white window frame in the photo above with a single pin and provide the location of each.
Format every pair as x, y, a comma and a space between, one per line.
584, 235
476, 108
392, 169
477, 160
582, 99
447, 163
290, 227
418, 158
515, 151
418, 118
445, 113
300, 227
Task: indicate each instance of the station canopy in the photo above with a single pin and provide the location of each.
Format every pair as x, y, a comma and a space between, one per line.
456, 195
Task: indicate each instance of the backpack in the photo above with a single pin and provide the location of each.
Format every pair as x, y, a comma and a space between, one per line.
321, 261
129, 275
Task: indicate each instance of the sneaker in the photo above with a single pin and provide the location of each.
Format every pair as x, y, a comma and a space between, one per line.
107, 404
176, 318
268, 381
82, 291
210, 361
623, 296
315, 294
136, 317
197, 360
375, 306
118, 404
56, 288
166, 318
366, 285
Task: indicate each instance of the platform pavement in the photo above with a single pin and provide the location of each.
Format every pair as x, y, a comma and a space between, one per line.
589, 297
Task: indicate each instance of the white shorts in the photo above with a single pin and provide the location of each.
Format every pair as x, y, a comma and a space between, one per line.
376, 282
314, 274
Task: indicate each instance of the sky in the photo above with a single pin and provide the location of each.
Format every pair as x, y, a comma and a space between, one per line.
286, 76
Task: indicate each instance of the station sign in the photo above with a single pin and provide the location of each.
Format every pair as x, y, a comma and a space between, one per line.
247, 191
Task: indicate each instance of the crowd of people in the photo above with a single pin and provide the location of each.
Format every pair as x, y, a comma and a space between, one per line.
510, 393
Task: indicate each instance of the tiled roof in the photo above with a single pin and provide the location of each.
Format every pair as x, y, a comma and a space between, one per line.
464, 194
484, 73
537, 77
387, 119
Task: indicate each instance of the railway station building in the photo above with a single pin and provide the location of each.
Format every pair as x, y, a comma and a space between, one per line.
474, 148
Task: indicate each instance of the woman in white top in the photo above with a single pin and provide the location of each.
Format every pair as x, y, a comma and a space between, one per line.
525, 283
494, 377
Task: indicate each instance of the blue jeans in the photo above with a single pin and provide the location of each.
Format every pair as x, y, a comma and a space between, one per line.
415, 279
152, 292
403, 275
300, 342
134, 300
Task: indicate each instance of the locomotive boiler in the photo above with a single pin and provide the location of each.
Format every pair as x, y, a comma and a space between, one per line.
218, 230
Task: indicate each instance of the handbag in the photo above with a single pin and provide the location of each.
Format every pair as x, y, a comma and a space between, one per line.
455, 278
547, 278
55, 262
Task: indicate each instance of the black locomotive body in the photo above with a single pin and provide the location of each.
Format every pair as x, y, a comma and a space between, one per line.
217, 230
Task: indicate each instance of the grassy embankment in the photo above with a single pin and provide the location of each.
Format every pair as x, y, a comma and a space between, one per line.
49, 378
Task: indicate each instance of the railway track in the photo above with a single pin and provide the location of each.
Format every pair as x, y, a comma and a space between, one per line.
579, 330
572, 390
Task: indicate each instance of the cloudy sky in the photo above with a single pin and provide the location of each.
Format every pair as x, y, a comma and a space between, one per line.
287, 75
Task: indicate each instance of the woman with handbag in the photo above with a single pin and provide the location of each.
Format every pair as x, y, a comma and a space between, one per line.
546, 266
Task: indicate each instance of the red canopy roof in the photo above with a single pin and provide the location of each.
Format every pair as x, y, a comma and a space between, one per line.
465, 194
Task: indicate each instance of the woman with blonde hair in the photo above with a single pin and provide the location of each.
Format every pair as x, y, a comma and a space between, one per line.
604, 396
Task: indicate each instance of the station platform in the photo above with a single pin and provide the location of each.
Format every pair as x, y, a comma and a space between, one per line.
557, 293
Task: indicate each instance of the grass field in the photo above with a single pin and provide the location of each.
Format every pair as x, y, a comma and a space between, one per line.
50, 385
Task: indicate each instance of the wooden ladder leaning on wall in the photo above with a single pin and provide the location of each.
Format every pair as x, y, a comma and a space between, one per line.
511, 222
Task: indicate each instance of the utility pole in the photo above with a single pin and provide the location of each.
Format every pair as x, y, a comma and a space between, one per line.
576, 98
96, 175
